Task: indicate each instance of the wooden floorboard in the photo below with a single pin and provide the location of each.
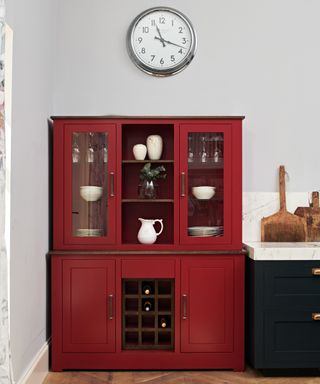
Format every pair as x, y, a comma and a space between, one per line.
250, 376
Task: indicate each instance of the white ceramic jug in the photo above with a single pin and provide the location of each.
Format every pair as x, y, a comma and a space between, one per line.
147, 233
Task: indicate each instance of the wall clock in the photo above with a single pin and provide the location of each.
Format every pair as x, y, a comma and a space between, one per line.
161, 41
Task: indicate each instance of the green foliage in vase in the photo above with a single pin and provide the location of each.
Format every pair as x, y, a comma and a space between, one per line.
146, 173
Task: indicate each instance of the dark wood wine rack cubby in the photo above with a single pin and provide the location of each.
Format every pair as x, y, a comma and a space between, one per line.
142, 329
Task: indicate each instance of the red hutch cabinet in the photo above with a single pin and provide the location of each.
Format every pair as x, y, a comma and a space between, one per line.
123, 301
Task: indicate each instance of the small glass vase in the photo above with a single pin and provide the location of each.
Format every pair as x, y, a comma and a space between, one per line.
148, 190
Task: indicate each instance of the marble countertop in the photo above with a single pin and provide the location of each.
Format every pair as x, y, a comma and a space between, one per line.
282, 251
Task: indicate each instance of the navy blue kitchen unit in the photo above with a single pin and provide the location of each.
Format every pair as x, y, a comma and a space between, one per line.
283, 314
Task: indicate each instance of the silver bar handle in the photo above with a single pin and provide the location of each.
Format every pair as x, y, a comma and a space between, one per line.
110, 307
112, 193
184, 307
183, 184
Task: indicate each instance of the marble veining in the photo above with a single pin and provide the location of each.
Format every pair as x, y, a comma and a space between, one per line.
257, 205
5, 371
283, 251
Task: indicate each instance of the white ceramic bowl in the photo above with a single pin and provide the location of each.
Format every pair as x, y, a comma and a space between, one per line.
203, 192
90, 192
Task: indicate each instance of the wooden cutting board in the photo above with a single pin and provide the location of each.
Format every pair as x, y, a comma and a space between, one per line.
283, 226
312, 217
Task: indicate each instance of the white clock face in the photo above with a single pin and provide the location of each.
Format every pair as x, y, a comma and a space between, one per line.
161, 41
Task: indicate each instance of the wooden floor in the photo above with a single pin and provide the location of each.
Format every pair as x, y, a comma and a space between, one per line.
174, 377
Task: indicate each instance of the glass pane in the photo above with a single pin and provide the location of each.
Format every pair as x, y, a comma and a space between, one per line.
89, 184
205, 184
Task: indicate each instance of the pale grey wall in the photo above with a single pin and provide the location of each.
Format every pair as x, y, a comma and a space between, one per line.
33, 24
255, 58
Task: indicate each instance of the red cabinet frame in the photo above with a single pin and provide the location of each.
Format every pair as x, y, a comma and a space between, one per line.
118, 209
87, 270
63, 237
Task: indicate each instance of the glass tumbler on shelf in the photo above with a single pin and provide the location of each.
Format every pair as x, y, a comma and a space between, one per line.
105, 153
203, 153
217, 155
90, 151
75, 149
190, 150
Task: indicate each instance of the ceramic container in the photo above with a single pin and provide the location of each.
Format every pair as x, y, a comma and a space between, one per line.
147, 233
155, 146
139, 151
203, 192
90, 192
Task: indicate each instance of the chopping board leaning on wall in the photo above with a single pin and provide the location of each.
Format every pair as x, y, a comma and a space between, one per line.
283, 226
312, 217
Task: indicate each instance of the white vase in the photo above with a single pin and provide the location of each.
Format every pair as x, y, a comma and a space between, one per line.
155, 146
139, 151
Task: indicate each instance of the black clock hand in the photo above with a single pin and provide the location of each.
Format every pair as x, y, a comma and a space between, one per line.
169, 42
161, 38
177, 45
162, 41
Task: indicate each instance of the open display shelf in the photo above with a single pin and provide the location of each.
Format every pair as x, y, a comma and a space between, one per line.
133, 205
153, 328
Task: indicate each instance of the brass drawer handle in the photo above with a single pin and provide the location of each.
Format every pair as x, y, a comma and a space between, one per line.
316, 271
316, 316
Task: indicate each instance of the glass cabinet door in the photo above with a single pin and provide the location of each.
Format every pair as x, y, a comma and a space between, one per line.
204, 166
90, 184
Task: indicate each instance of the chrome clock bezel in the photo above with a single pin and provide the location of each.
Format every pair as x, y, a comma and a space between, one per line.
168, 71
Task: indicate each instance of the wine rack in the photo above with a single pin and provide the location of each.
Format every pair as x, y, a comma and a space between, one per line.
148, 314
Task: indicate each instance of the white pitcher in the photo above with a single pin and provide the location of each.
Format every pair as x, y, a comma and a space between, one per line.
147, 233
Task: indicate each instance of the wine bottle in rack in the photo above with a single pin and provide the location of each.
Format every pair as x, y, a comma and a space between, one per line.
147, 306
163, 322
146, 289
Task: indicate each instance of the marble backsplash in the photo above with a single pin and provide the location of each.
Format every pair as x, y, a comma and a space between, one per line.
257, 205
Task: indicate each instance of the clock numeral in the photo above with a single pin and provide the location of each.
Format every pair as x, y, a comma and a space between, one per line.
172, 22
161, 60
180, 30
180, 51
145, 29
140, 40
152, 57
153, 23
184, 40
143, 50
162, 20
173, 59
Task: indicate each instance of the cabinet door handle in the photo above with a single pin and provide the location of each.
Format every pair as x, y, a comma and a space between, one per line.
110, 307
183, 184
316, 316
184, 307
112, 194
316, 271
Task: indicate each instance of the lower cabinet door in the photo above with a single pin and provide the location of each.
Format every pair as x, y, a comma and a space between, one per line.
292, 338
88, 305
207, 302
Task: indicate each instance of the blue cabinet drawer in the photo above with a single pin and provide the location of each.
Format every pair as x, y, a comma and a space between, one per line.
291, 283
292, 338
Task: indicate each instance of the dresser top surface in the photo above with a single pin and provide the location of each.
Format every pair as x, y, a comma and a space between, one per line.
283, 251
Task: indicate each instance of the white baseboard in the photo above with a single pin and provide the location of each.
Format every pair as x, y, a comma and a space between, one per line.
38, 368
